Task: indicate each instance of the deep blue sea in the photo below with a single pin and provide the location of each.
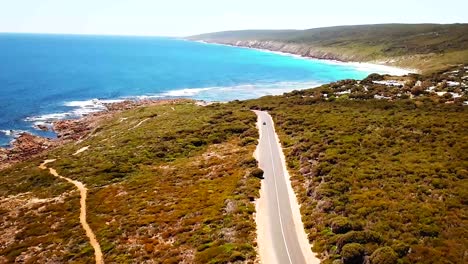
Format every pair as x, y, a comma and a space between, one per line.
48, 77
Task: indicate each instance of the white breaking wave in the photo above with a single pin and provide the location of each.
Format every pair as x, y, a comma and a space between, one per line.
12, 133
241, 92
80, 109
47, 117
93, 103
215, 93
186, 92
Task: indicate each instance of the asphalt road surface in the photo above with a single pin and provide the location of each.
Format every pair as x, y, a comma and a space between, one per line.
286, 245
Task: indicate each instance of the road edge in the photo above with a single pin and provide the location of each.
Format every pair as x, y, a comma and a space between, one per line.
310, 257
261, 213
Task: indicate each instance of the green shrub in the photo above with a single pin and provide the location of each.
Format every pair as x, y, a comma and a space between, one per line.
257, 173
384, 255
249, 162
237, 256
248, 140
340, 225
400, 248
173, 176
352, 253
361, 237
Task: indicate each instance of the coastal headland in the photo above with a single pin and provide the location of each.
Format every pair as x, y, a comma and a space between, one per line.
424, 47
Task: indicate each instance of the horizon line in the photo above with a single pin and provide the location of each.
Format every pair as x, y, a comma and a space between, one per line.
227, 30
87, 34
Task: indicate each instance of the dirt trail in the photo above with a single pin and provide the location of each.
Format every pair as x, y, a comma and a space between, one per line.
81, 150
139, 124
83, 191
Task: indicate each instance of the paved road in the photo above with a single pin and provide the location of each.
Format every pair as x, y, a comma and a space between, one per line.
281, 223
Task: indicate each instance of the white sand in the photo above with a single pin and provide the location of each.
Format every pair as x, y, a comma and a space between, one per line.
378, 68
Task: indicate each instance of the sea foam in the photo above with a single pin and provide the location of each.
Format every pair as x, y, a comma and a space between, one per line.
78, 109
12, 133
216, 93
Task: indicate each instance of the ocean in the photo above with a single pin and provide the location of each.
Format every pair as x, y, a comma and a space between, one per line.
48, 77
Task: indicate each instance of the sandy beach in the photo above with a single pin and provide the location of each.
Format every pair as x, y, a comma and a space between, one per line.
377, 67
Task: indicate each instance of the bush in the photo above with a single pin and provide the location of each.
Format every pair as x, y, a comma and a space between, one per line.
248, 140
373, 77
257, 173
417, 90
400, 248
384, 255
362, 237
340, 225
380, 163
249, 162
352, 253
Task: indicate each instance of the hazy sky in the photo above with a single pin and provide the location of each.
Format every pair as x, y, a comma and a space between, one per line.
186, 17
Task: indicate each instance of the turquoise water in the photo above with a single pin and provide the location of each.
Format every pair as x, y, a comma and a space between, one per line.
48, 77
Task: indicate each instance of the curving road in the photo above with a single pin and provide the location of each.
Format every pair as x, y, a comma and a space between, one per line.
285, 241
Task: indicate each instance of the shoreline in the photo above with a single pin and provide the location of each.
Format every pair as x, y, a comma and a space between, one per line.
41, 124
28, 145
384, 68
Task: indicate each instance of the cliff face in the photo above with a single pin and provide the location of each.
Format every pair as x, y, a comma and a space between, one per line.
422, 63
291, 48
428, 48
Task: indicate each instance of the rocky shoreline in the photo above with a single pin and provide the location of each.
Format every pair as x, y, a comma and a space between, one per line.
27, 145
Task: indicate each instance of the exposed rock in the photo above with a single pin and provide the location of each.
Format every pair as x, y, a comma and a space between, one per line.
127, 104
24, 147
72, 129
42, 127
3, 154
30, 144
230, 206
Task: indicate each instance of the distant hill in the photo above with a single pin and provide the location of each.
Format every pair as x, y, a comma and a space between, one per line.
427, 47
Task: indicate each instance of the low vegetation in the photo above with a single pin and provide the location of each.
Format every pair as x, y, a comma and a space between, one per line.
379, 167
449, 87
379, 180
176, 189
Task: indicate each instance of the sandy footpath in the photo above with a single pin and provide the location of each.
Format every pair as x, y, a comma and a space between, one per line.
83, 192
